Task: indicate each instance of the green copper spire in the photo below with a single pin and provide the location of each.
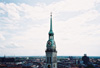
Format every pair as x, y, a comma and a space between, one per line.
51, 31
51, 22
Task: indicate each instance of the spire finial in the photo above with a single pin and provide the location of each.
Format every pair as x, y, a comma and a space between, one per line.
51, 14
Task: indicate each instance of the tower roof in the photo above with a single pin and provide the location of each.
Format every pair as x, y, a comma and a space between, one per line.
51, 31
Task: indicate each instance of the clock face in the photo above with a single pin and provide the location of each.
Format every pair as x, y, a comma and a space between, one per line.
49, 43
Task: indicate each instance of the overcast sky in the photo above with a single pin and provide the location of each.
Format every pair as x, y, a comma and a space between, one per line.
24, 27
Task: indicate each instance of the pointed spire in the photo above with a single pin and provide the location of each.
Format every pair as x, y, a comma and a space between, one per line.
51, 31
51, 21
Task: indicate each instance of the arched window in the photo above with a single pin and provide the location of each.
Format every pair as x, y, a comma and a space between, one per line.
49, 66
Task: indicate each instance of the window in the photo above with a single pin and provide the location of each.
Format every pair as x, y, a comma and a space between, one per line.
49, 66
50, 59
47, 60
54, 65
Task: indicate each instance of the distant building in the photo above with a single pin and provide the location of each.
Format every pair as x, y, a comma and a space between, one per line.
85, 59
51, 53
6, 60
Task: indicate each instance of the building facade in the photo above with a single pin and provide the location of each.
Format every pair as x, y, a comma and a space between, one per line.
51, 53
85, 59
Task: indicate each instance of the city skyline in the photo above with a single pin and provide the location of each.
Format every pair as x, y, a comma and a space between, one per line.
24, 27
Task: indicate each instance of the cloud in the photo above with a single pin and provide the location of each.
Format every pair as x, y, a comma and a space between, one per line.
12, 45
2, 37
2, 12
26, 27
12, 10
72, 5
41, 11
97, 1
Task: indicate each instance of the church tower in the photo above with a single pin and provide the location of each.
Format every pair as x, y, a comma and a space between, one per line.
51, 53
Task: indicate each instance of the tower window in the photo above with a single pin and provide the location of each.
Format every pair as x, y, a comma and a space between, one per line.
54, 65
47, 60
50, 59
49, 66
